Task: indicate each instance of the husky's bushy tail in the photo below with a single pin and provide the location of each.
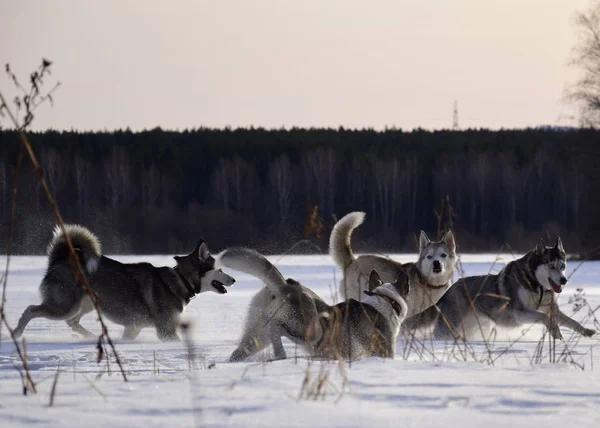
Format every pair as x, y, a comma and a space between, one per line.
339, 241
86, 244
253, 263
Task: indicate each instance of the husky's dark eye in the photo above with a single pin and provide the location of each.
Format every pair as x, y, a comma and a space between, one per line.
444, 255
429, 257
563, 266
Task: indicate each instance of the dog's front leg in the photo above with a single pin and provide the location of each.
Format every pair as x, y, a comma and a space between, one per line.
278, 350
569, 322
530, 317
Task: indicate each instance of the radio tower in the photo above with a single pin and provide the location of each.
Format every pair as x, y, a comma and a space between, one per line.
455, 117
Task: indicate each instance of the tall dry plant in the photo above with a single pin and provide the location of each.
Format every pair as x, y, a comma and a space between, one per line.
21, 114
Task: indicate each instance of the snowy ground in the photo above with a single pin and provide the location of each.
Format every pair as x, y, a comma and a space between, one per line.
435, 387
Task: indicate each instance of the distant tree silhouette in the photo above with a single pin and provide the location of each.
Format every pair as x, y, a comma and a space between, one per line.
586, 57
158, 191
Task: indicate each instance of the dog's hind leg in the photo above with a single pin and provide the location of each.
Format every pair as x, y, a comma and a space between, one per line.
131, 332
73, 322
278, 350
43, 311
78, 328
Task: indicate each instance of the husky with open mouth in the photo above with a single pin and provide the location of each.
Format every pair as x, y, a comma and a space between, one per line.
524, 292
135, 295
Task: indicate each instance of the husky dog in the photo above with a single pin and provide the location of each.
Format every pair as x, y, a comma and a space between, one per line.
135, 295
429, 278
350, 330
523, 292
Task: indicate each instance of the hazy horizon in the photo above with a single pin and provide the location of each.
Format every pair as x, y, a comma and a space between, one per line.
279, 64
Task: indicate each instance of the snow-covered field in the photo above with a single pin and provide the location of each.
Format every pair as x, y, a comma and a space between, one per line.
435, 387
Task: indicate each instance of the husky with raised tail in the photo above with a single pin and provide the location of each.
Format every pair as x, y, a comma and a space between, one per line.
350, 330
524, 292
430, 277
135, 295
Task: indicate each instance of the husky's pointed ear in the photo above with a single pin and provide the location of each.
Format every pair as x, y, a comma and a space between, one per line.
559, 245
540, 247
449, 240
423, 241
202, 250
374, 280
402, 284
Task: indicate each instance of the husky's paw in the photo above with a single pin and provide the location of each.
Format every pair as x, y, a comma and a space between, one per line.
277, 357
588, 332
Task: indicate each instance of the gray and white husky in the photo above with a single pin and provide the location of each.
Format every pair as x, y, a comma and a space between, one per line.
350, 330
524, 292
135, 295
429, 277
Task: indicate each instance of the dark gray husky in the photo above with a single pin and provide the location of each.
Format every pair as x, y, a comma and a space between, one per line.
524, 292
135, 295
349, 330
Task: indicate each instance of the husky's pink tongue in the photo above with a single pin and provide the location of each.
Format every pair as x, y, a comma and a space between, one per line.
555, 287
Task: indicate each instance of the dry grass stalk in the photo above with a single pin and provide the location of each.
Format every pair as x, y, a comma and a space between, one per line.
31, 100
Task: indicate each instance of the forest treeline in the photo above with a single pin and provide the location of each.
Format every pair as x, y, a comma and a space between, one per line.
160, 191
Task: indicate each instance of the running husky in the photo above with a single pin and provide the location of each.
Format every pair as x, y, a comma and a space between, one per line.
429, 278
350, 330
135, 295
523, 292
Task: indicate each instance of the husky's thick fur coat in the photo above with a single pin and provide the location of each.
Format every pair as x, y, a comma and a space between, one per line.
429, 277
524, 292
135, 295
284, 308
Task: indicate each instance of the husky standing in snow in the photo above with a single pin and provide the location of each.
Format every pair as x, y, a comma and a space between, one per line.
349, 330
524, 292
429, 277
135, 295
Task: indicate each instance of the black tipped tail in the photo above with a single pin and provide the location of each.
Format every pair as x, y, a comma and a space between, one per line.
86, 245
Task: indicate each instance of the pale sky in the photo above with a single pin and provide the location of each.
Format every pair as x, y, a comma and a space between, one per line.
273, 63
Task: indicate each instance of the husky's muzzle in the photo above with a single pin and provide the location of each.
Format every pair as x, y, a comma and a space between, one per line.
557, 288
437, 266
219, 286
220, 281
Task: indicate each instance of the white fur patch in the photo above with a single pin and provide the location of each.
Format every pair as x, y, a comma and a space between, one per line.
543, 272
439, 252
384, 307
92, 264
